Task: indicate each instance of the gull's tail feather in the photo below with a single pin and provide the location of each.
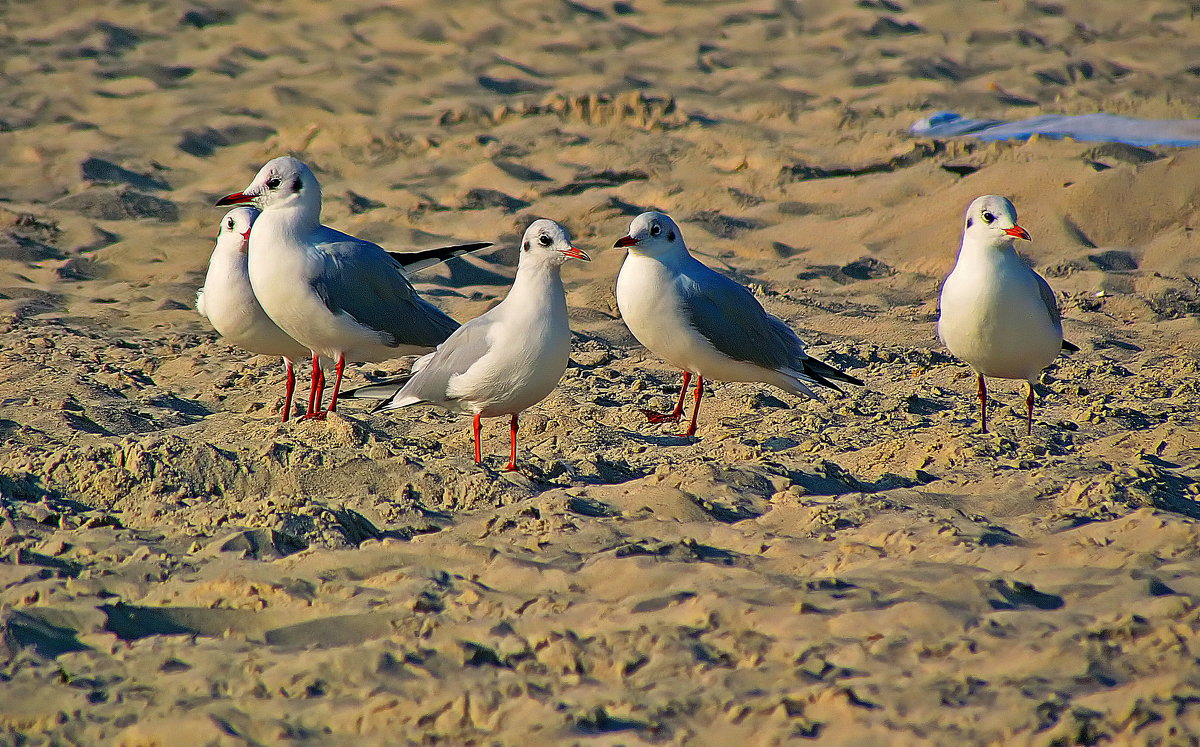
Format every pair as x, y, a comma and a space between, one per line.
382, 391
395, 403
797, 383
414, 261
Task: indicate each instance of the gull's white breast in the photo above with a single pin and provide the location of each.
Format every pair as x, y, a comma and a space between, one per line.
230, 305
993, 317
528, 350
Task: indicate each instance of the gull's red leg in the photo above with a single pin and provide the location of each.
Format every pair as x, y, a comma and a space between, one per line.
291, 388
312, 389
477, 426
1029, 411
316, 391
337, 381
982, 405
691, 429
313, 382
512, 451
677, 413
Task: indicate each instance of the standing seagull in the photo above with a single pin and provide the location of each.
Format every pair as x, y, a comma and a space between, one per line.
506, 360
705, 323
227, 300
340, 296
997, 314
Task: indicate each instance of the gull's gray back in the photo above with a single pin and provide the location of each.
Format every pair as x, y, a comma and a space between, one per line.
731, 318
362, 280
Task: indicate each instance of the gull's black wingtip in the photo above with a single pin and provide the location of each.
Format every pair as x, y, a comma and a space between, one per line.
822, 372
413, 261
1070, 347
472, 247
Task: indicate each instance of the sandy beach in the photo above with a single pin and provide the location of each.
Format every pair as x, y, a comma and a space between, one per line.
179, 567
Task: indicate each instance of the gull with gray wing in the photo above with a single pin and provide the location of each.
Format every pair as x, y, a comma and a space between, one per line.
339, 296
704, 323
506, 360
997, 314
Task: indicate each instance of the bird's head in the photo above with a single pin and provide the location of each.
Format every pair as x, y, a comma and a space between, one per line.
281, 182
653, 234
992, 219
235, 226
547, 241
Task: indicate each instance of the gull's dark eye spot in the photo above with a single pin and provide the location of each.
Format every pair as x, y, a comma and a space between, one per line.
296, 185
655, 229
670, 236
229, 224
970, 222
988, 217
545, 240
525, 247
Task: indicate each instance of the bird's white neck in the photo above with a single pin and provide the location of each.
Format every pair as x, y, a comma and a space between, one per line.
977, 251
227, 260
291, 220
538, 285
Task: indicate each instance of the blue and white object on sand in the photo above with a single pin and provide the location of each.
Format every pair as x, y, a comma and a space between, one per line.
1104, 128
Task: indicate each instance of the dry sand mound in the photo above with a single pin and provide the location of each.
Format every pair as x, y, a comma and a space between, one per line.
179, 567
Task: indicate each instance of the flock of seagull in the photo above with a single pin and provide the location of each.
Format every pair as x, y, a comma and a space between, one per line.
280, 283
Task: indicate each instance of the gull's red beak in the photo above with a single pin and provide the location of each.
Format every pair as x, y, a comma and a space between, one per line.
625, 241
1019, 232
237, 198
575, 253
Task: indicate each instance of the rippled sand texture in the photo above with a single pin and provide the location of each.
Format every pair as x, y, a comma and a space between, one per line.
178, 567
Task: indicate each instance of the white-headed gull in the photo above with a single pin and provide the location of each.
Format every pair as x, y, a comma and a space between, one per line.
227, 300
997, 314
340, 296
506, 360
705, 323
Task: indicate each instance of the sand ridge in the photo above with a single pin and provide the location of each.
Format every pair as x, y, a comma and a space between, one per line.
866, 569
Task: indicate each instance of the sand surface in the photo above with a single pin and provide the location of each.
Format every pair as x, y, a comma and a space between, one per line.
178, 567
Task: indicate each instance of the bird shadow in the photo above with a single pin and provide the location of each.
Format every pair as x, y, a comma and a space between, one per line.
660, 440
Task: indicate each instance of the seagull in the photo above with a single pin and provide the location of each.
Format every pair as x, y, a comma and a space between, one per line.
341, 297
506, 360
704, 323
227, 300
997, 314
